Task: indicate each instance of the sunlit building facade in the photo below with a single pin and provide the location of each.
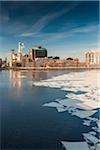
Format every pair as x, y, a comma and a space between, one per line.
92, 57
16, 57
36, 55
37, 52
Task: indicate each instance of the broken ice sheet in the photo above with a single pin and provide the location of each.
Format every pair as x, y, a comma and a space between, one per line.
90, 138
71, 107
80, 81
63, 105
84, 114
92, 119
96, 129
75, 145
86, 122
92, 133
98, 123
59, 109
68, 103
81, 101
52, 104
97, 146
89, 105
86, 102
58, 106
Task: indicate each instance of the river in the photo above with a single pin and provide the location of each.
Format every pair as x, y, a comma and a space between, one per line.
25, 123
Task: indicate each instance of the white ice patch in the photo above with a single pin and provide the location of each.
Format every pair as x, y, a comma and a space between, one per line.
96, 129
89, 105
71, 107
86, 81
75, 145
58, 106
85, 107
97, 146
93, 119
86, 122
90, 120
82, 97
83, 114
69, 103
92, 133
90, 138
53, 104
98, 123
60, 109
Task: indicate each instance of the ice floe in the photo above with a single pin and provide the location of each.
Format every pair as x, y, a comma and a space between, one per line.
98, 123
83, 114
71, 107
94, 145
92, 119
81, 100
92, 133
53, 104
69, 103
75, 145
90, 138
86, 122
89, 104
96, 129
74, 82
58, 106
97, 146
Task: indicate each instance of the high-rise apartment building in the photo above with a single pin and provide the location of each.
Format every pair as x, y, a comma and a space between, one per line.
92, 57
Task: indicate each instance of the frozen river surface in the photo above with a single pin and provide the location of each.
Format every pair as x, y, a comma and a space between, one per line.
49, 110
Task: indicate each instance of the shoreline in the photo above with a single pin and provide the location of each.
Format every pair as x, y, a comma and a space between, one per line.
50, 68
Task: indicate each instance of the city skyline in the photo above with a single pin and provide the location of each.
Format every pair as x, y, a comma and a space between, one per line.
65, 28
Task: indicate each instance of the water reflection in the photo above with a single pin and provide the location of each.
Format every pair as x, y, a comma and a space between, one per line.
15, 78
37, 75
20, 77
28, 125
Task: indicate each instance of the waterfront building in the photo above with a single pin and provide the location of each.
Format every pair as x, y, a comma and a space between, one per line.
20, 48
37, 52
27, 62
74, 62
16, 57
36, 56
92, 57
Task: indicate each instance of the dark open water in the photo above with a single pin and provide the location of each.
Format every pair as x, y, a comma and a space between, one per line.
25, 124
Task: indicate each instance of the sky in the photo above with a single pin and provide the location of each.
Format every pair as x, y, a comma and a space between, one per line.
65, 28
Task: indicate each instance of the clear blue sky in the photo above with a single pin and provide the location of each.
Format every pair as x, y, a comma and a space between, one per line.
65, 28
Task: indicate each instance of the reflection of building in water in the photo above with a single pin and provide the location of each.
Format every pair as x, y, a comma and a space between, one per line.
37, 75
15, 77
92, 57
